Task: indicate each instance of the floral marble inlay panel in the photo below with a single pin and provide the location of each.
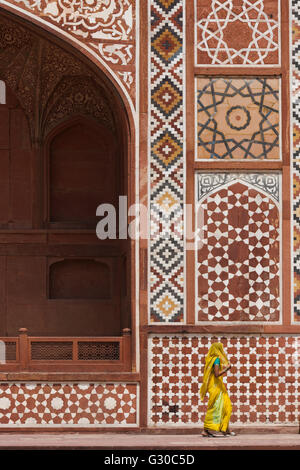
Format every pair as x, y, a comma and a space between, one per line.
238, 252
237, 32
238, 118
263, 383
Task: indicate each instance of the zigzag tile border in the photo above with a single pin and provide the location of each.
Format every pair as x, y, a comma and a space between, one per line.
296, 153
166, 248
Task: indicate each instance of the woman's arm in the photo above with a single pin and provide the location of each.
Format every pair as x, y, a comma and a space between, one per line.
218, 372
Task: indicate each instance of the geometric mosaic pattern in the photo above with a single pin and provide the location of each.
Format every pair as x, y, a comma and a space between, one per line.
263, 382
166, 162
254, 23
296, 153
64, 404
238, 256
238, 118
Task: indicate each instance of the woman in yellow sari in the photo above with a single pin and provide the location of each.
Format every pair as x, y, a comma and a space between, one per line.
219, 409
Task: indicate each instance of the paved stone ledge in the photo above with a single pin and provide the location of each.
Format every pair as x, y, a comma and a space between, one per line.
109, 441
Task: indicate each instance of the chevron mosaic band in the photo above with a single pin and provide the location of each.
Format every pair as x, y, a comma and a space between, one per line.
296, 152
166, 161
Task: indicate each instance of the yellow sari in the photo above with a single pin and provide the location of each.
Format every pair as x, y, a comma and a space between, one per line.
219, 404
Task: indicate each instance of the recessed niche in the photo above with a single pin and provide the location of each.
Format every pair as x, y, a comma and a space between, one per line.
79, 279
83, 174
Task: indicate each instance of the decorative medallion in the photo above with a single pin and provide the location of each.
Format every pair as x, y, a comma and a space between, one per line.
237, 32
238, 118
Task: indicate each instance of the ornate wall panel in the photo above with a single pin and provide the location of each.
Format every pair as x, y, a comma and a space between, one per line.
68, 404
254, 22
296, 152
263, 383
238, 118
238, 255
166, 161
105, 28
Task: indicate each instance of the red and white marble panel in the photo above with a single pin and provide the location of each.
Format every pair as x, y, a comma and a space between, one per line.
238, 256
263, 383
68, 404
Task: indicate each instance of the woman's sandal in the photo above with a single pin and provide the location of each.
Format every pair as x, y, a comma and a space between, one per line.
207, 433
229, 433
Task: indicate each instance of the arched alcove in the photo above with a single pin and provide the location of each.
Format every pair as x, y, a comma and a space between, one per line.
84, 167
79, 279
16, 156
57, 277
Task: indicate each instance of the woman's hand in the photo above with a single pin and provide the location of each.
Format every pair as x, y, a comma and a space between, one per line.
218, 372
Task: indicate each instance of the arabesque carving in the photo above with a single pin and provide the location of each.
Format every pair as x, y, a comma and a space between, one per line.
106, 27
90, 19
50, 83
77, 95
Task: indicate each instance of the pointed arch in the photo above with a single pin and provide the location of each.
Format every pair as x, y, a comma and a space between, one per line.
80, 46
123, 121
